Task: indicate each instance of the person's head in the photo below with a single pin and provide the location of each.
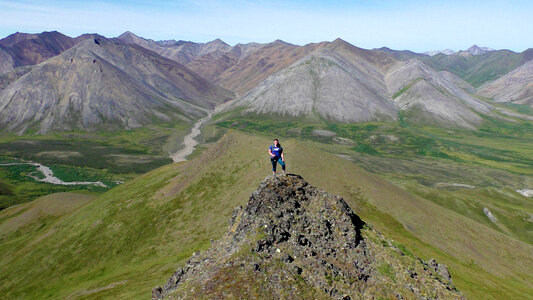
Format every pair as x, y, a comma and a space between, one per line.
276, 143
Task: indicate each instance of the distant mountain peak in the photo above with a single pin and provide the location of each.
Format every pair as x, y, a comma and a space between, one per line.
217, 42
339, 41
166, 43
127, 33
445, 52
476, 50
278, 41
129, 37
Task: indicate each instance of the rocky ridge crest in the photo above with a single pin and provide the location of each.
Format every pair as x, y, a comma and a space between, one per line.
293, 240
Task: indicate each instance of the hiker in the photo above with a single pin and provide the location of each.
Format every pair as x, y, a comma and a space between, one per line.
276, 155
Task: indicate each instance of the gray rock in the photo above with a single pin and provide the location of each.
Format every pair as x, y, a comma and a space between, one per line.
292, 240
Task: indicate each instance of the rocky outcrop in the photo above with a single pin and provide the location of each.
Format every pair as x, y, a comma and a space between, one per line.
293, 240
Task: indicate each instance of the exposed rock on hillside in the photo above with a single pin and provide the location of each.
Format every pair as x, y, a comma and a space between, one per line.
296, 241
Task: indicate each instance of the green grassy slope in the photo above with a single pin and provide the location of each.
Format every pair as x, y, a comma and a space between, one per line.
131, 238
50, 206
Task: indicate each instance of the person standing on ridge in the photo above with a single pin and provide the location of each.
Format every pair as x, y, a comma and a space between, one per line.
276, 155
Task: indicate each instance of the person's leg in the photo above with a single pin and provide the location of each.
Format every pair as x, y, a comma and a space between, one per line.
274, 163
282, 163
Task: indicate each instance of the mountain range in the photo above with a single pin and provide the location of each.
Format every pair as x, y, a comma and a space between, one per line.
474, 50
102, 83
53, 82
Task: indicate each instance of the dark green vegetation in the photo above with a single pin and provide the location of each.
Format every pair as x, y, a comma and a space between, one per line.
478, 69
80, 156
17, 187
128, 240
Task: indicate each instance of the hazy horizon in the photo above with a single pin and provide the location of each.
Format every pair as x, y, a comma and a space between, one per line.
417, 26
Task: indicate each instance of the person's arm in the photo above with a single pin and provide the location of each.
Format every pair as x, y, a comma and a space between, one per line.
282, 157
270, 152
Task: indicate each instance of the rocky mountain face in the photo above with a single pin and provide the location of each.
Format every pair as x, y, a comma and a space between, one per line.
238, 68
104, 84
431, 97
514, 87
335, 81
322, 84
253, 64
293, 240
182, 52
6, 62
343, 83
23, 49
339, 82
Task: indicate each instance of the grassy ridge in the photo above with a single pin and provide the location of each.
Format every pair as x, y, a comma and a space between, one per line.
133, 237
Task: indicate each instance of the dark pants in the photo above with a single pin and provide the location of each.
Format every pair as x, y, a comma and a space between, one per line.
274, 161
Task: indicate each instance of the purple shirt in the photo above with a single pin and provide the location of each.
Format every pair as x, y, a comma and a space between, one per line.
276, 150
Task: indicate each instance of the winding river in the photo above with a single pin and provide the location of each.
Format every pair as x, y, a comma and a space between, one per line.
50, 178
189, 141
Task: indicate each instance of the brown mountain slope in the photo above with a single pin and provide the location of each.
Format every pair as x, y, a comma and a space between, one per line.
257, 66
181, 51
30, 49
343, 83
323, 84
211, 65
107, 84
238, 68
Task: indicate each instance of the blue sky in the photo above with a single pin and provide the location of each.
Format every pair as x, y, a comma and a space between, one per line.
415, 25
